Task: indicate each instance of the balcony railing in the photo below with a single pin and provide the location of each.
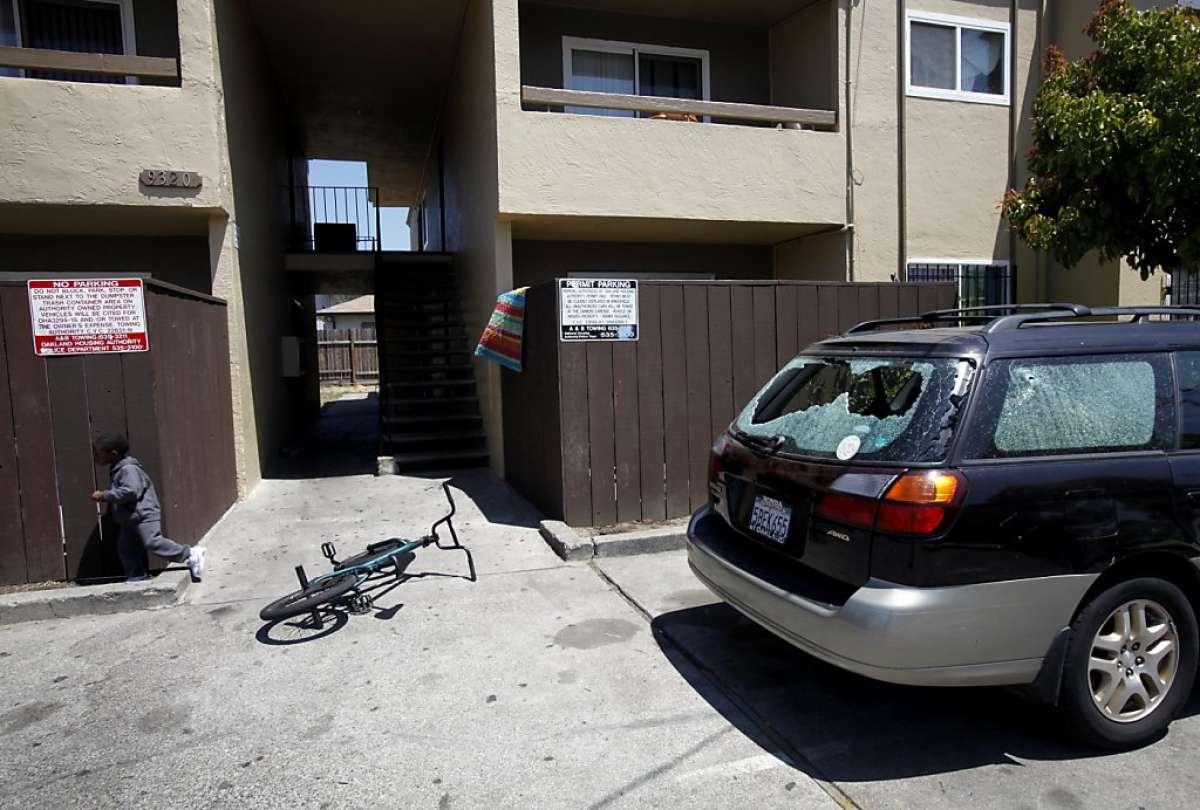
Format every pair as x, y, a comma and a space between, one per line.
334, 219
668, 107
100, 64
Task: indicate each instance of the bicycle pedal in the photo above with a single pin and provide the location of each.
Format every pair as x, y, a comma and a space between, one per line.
330, 552
360, 603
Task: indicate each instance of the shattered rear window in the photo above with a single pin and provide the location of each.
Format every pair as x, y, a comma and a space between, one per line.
876, 409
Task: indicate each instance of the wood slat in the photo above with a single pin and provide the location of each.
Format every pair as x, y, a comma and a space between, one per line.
699, 418
12, 534
741, 306
786, 324
827, 311
720, 356
33, 428
908, 300
824, 119
927, 297
808, 317
107, 64
650, 405
626, 433
601, 425
77, 474
765, 350
675, 405
576, 451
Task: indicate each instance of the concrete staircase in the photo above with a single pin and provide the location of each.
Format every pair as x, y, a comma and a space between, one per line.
429, 410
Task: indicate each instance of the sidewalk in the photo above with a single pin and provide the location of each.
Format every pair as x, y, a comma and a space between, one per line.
538, 685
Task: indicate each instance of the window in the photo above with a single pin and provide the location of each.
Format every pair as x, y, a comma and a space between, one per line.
1185, 287
1058, 406
957, 59
886, 408
82, 26
980, 284
1188, 366
604, 66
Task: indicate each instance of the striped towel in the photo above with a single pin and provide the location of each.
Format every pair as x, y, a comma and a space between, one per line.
501, 341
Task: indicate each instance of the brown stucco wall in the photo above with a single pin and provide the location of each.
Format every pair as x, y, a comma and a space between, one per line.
538, 261
738, 55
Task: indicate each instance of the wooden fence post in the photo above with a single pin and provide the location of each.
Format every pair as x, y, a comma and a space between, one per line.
353, 374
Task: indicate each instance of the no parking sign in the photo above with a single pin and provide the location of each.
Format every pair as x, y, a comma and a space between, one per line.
87, 316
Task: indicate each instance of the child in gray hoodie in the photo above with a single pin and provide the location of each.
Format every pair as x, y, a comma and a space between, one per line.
133, 504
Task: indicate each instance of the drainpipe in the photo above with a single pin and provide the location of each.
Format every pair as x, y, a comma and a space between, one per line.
1013, 125
901, 144
848, 123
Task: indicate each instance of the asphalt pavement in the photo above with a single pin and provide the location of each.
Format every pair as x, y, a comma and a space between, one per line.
615, 683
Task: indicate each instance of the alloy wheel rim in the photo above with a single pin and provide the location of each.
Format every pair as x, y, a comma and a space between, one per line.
1133, 661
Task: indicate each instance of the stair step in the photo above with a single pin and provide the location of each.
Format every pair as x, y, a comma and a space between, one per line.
437, 436
391, 419
410, 401
409, 460
433, 384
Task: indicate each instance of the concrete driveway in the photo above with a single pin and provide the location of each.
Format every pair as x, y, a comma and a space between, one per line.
542, 684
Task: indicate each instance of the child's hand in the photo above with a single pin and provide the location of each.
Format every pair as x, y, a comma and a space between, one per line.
97, 496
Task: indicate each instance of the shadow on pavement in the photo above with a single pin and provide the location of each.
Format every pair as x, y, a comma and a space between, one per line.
343, 441
496, 500
847, 728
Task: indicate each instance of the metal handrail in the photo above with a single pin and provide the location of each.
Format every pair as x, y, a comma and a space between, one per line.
335, 205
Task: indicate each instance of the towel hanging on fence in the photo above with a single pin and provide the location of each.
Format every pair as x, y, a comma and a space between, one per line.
501, 341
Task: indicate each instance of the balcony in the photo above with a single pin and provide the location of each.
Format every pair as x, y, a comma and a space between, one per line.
672, 114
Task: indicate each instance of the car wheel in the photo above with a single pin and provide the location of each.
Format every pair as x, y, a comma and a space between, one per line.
1130, 664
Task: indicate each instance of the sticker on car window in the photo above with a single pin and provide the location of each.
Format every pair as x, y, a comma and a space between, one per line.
848, 447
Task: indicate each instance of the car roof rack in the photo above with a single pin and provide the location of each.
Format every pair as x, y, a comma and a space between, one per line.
1004, 317
983, 314
1139, 315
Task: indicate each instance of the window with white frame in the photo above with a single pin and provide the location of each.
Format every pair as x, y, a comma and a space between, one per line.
958, 59
980, 284
82, 26
605, 66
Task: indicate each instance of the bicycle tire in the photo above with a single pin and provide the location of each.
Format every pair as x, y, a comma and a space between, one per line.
316, 594
363, 556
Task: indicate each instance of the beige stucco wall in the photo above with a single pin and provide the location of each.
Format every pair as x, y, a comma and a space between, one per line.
71, 142
804, 52
248, 247
579, 165
482, 245
539, 261
820, 257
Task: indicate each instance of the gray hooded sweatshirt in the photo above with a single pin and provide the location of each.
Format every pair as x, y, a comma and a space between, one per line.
131, 493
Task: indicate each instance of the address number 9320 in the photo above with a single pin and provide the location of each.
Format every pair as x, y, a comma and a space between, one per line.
169, 179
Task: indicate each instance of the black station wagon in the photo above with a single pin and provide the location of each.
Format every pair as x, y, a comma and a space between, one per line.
1001, 497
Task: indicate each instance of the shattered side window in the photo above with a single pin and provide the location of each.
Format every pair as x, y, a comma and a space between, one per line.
1076, 405
893, 409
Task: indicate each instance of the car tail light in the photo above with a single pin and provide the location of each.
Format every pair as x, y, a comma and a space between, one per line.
852, 509
919, 501
714, 457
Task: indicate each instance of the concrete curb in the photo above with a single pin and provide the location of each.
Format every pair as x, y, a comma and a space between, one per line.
571, 544
118, 597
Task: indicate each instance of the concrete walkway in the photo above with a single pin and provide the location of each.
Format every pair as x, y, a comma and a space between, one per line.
538, 685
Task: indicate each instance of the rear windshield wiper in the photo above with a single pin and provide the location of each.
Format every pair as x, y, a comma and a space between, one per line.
769, 445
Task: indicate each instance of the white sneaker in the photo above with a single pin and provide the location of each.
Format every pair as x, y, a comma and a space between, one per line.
195, 563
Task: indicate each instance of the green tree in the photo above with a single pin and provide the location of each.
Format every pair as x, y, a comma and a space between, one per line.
1115, 165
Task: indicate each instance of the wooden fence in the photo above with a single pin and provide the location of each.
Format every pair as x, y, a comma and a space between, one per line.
173, 403
348, 356
602, 433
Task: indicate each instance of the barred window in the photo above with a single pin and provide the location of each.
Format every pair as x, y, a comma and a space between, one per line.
979, 284
1185, 287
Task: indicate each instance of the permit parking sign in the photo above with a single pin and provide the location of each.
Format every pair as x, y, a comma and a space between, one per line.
87, 316
603, 309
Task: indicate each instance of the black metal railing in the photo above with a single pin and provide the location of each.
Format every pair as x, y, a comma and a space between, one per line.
979, 285
334, 219
1184, 289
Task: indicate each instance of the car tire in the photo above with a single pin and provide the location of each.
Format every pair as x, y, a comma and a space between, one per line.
1129, 705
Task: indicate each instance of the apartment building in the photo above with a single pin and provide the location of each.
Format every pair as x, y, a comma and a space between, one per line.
839, 140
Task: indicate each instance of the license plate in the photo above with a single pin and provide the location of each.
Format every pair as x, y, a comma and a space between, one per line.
771, 518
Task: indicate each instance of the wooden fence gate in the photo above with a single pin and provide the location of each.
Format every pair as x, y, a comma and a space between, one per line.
348, 356
601, 433
173, 402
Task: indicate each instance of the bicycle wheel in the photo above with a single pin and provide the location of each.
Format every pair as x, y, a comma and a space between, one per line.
379, 548
301, 601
